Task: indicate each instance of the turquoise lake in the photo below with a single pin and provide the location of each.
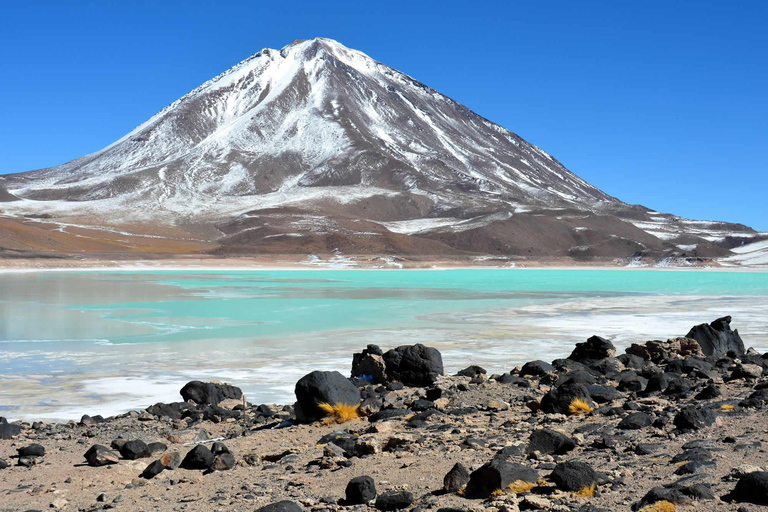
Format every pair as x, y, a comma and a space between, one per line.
103, 342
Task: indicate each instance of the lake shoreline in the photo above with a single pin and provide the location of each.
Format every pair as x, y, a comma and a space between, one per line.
332, 262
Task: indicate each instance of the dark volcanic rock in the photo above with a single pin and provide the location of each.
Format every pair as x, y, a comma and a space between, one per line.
660, 494
199, 457
498, 474
174, 410
647, 448
717, 337
591, 351
386, 414
394, 500
536, 368
512, 450
603, 394
154, 469
4, 464
694, 418
630, 381
223, 462
549, 442
693, 454
708, 393
636, 421
136, 449
91, 420
414, 365
33, 450
752, 488
370, 363
171, 460
360, 490
209, 393
472, 371
695, 467
27, 461
282, 506
7, 430
660, 382
157, 447
573, 476
218, 448
558, 399
756, 399
323, 387
456, 478
98, 455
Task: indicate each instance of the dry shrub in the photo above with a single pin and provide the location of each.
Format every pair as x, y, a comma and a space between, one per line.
519, 486
586, 491
339, 413
579, 406
659, 506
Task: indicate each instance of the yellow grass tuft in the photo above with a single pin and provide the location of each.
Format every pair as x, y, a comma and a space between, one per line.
727, 407
519, 486
496, 493
339, 413
541, 482
463, 491
579, 406
587, 491
659, 506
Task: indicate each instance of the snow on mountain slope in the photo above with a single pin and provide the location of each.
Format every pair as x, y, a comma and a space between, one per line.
314, 114
754, 254
319, 146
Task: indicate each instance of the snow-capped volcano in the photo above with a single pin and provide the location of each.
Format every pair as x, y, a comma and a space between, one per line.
322, 142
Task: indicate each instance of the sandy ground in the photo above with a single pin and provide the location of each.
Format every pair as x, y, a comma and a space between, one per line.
290, 462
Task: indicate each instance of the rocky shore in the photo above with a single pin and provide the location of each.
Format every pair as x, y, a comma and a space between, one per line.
669, 425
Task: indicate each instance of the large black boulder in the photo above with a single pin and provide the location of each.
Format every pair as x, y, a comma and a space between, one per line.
752, 488
210, 393
549, 442
151, 471
573, 476
8, 430
636, 421
498, 474
32, 450
323, 387
559, 399
99, 455
717, 337
394, 500
360, 490
472, 371
173, 410
199, 457
414, 365
536, 368
592, 350
136, 449
694, 418
660, 382
456, 478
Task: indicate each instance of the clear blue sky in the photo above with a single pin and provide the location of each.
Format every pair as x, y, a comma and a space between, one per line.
662, 103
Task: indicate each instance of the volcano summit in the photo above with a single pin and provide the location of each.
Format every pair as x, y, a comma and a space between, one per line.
317, 148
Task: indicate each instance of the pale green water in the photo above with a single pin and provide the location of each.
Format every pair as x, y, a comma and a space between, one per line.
70, 341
